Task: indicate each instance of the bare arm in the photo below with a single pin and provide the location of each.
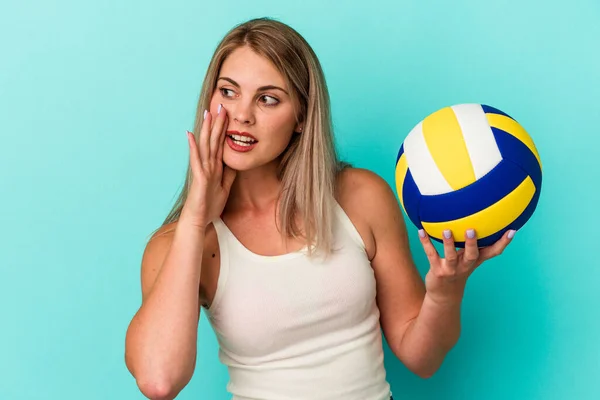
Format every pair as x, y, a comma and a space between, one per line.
161, 339
421, 320
400, 289
437, 328
162, 336
430, 336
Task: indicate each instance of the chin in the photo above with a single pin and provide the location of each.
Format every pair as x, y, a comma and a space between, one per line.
246, 163
239, 163
255, 158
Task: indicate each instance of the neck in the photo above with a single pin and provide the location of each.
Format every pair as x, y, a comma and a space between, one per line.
255, 190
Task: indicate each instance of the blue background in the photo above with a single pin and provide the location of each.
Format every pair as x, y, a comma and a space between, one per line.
95, 98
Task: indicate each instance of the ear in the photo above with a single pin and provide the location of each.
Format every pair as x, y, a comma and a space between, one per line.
298, 129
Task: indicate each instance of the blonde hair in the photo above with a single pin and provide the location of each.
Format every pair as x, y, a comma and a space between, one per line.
309, 166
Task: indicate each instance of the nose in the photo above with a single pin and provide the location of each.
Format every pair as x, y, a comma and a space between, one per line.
242, 112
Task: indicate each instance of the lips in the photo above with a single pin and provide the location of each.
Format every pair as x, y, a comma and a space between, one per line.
241, 142
242, 134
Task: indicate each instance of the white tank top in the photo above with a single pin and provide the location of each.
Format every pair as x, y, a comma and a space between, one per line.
293, 328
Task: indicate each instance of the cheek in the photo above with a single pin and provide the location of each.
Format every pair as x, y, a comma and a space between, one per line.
280, 138
282, 126
214, 103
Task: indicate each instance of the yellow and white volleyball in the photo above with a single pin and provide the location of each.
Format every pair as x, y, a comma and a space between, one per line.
468, 166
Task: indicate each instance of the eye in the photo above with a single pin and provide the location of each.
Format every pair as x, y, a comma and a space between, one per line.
226, 92
269, 100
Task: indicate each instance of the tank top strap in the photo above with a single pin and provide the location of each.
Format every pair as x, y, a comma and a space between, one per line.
348, 225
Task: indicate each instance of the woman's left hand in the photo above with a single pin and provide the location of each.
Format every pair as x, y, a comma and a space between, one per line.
445, 282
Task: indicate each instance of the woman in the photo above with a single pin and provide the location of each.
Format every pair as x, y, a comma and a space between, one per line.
299, 260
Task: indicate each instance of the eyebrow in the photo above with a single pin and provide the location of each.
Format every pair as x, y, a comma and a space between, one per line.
267, 87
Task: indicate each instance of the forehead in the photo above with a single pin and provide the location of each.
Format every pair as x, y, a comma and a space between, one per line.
250, 70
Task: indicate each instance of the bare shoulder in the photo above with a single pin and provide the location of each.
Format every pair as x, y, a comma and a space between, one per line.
362, 181
366, 191
154, 256
367, 199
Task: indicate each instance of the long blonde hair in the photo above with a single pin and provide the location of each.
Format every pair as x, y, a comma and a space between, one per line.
309, 166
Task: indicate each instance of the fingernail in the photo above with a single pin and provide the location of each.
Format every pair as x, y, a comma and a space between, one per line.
205, 112
421, 233
219, 109
447, 234
511, 233
470, 233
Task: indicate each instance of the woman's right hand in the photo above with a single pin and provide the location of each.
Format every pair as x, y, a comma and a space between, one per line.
211, 179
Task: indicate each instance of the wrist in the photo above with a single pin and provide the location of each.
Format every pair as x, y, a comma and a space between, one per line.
189, 219
445, 291
445, 300
192, 222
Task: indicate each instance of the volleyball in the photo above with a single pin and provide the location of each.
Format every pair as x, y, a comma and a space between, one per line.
468, 166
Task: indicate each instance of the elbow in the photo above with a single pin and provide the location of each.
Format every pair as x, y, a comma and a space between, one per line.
156, 390
427, 368
163, 383
425, 374
422, 365
423, 371
156, 386
160, 387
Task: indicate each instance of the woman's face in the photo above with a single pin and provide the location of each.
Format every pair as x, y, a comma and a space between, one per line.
259, 110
